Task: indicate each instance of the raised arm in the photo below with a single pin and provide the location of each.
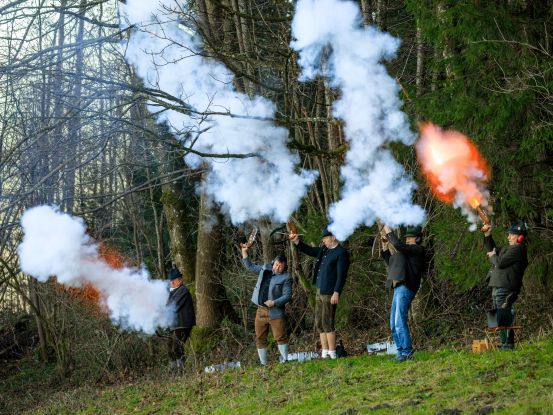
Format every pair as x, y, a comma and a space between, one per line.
250, 266
405, 249
489, 243
386, 255
308, 250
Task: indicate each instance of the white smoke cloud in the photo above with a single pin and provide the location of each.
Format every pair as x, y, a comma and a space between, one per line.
375, 185
165, 57
56, 244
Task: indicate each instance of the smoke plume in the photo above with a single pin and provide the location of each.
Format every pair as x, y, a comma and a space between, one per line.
331, 42
166, 57
56, 244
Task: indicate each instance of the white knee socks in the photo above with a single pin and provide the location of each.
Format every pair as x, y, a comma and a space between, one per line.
283, 349
262, 356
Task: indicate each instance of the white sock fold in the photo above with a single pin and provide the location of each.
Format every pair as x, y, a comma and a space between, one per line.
262, 356
324, 353
332, 354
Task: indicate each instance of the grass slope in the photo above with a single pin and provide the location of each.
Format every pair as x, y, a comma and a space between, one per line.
446, 382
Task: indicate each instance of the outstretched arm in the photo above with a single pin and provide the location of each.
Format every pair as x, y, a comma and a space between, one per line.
306, 249
405, 249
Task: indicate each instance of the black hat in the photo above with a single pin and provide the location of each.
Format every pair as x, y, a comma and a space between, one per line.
413, 231
326, 232
174, 273
518, 228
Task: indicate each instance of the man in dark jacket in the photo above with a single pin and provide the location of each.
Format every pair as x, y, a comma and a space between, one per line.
405, 268
181, 302
329, 276
271, 293
509, 263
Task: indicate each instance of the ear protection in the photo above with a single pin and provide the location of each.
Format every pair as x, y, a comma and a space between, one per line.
418, 240
520, 229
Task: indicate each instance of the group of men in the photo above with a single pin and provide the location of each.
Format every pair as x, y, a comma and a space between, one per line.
405, 259
405, 267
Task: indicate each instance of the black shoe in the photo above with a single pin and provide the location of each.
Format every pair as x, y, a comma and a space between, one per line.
403, 358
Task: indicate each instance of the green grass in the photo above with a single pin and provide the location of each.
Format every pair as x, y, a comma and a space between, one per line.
445, 382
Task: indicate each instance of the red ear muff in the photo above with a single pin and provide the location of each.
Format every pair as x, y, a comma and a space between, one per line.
520, 239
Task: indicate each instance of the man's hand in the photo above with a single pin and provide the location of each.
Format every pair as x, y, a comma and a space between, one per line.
335, 297
491, 253
294, 238
269, 303
244, 249
387, 229
486, 229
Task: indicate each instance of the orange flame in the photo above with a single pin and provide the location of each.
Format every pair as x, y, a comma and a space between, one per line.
113, 258
454, 169
90, 296
88, 292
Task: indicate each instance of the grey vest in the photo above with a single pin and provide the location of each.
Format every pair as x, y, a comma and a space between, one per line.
280, 288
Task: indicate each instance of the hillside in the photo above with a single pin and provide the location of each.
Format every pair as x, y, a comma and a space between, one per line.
444, 382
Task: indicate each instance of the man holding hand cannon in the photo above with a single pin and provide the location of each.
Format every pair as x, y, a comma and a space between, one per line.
405, 268
272, 291
509, 263
329, 276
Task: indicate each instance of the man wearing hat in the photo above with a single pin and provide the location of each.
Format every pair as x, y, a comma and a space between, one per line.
509, 263
271, 293
329, 276
182, 304
405, 268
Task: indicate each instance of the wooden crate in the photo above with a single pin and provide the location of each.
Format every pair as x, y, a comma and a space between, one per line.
481, 345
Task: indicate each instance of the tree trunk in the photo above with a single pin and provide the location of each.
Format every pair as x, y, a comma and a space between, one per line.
420, 62
333, 138
269, 251
74, 124
42, 343
180, 224
366, 10
211, 301
448, 45
381, 8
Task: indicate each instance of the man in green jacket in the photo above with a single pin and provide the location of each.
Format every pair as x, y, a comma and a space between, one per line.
509, 263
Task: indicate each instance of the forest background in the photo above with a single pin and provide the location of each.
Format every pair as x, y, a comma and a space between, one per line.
75, 132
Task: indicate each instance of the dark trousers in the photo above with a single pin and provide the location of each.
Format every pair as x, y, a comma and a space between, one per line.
325, 313
175, 344
499, 295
